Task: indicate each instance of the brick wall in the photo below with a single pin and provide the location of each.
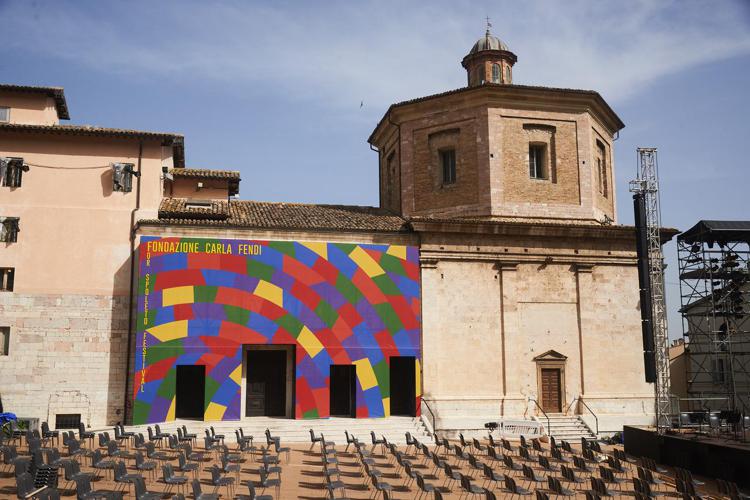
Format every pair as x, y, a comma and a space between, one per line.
67, 355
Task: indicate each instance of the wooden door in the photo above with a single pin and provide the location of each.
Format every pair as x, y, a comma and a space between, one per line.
551, 398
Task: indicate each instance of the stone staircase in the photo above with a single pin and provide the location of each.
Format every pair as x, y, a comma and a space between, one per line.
298, 431
568, 427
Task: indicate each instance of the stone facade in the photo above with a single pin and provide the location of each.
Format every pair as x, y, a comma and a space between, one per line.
67, 354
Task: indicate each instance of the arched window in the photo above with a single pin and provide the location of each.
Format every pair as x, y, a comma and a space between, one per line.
507, 74
496, 73
479, 75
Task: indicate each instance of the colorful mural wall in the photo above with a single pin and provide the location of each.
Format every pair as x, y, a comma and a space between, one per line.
200, 300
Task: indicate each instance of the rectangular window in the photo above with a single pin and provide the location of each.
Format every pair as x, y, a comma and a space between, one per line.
122, 177
67, 420
11, 171
9, 229
448, 162
601, 168
537, 153
4, 114
4, 340
6, 278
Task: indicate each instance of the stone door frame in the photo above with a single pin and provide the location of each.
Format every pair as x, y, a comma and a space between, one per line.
555, 361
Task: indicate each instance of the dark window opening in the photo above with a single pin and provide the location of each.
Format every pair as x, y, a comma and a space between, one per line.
11, 171
601, 168
448, 163
67, 421
9, 229
507, 74
536, 161
7, 275
4, 340
122, 177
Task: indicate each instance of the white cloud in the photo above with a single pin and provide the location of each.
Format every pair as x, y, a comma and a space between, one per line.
338, 53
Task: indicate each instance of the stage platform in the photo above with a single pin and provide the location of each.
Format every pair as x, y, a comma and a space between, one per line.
705, 455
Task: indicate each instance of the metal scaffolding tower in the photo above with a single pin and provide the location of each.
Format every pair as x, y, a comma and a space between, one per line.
714, 261
647, 185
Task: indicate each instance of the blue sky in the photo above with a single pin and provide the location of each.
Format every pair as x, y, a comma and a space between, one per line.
274, 88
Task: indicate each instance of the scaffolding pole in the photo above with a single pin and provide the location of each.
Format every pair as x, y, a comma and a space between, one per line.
647, 184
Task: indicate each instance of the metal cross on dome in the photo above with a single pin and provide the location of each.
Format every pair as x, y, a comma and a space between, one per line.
489, 24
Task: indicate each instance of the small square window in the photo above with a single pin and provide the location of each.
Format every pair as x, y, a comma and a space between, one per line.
537, 158
448, 164
11, 171
9, 229
4, 340
6, 278
4, 114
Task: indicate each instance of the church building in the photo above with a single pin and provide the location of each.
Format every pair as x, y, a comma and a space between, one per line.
493, 281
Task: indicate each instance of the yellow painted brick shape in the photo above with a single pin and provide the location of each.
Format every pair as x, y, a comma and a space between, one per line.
214, 411
170, 331
366, 263
309, 342
365, 374
397, 251
386, 407
177, 295
318, 247
236, 375
170, 412
270, 292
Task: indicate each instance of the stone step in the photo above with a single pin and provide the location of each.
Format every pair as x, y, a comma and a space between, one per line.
298, 431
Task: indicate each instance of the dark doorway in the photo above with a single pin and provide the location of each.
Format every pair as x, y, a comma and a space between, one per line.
403, 386
190, 391
266, 383
343, 390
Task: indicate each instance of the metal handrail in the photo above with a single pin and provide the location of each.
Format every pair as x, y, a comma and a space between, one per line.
570, 405
549, 428
596, 419
434, 428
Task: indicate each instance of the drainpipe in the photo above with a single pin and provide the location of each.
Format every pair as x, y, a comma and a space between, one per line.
132, 275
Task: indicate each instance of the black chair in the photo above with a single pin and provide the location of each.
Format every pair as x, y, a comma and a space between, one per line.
731, 490
545, 464
450, 475
159, 433
376, 441
83, 434
556, 487
84, 491
514, 489
608, 476
144, 466
469, 488
570, 475
122, 477
184, 466
530, 476
600, 487
217, 480
48, 434
314, 439
100, 463
580, 464
350, 439
170, 479
490, 476
381, 486
220, 437
198, 493
265, 482
648, 476
687, 489
423, 486
153, 438
141, 493
255, 496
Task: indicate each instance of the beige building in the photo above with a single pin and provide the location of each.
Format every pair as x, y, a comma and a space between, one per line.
528, 286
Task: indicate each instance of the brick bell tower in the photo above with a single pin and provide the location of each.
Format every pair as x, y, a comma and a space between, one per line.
489, 61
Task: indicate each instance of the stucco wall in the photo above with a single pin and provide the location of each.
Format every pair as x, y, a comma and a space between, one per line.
29, 109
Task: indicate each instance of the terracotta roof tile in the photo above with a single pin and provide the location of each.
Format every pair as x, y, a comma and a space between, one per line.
56, 93
270, 215
205, 173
